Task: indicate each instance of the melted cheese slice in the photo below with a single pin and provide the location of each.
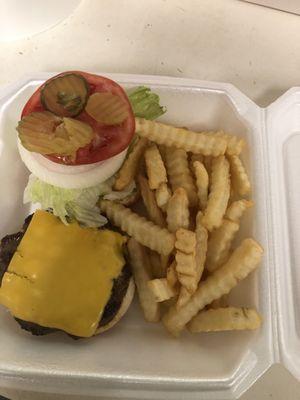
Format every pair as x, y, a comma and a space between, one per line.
62, 276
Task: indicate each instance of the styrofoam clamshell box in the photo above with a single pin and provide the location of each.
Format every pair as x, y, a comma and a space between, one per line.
139, 360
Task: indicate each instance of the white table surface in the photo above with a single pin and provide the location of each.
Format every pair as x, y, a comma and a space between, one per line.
255, 48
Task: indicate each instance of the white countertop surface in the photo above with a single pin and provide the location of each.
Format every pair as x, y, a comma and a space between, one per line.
255, 48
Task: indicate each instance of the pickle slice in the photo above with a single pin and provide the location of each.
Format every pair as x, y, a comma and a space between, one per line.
107, 108
66, 95
45, 133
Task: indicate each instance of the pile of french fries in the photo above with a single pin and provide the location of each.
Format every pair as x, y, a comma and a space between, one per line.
195, 191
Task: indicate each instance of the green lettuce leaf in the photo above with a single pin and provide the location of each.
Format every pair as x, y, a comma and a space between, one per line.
145, 104
73, 204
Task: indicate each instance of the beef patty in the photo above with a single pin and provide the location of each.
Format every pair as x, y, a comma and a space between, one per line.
9, 245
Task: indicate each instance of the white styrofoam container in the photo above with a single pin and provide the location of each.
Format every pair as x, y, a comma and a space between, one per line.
139, 360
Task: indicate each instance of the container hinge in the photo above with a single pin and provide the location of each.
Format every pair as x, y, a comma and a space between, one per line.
271, 248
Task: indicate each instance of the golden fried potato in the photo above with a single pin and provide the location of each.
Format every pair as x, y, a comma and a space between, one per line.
196, 142
219, 194
183, 298
202, 181
162, 196
225, 319
178, 215
188, 281
144, 231
185, 241
241, 262
201, 245
179, 173
154, 212
235, 144
219, 244
129, 168
155, 167
140, 268
239, 178
236, 210
161, 289
172, 277
185, 258
185, 263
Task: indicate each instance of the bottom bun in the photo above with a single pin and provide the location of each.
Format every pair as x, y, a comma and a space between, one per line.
122, 310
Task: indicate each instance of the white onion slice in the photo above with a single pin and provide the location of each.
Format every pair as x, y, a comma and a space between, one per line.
68, 176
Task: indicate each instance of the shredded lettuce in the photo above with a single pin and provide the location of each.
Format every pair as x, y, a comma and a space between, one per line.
145, 104
73, 204
119, 196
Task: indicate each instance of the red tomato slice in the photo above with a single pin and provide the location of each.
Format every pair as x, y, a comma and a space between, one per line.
109, 140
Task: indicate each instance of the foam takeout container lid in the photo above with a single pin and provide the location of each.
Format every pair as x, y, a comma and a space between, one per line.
139, 360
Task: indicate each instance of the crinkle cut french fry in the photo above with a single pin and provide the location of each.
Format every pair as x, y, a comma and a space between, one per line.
155, 167
154, 212
178, 215
129, 168
219, 244
185, 263
235, 144
201, 245
242, 261
225, 319
172, 277
188, 282
219, 194
183, 298
186, 271
196, 142
161, 289
162, 196
236, 210
202, 181
179, 173
232, 196
185, 241
144, 231
239, 178
186, 268
140, 268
